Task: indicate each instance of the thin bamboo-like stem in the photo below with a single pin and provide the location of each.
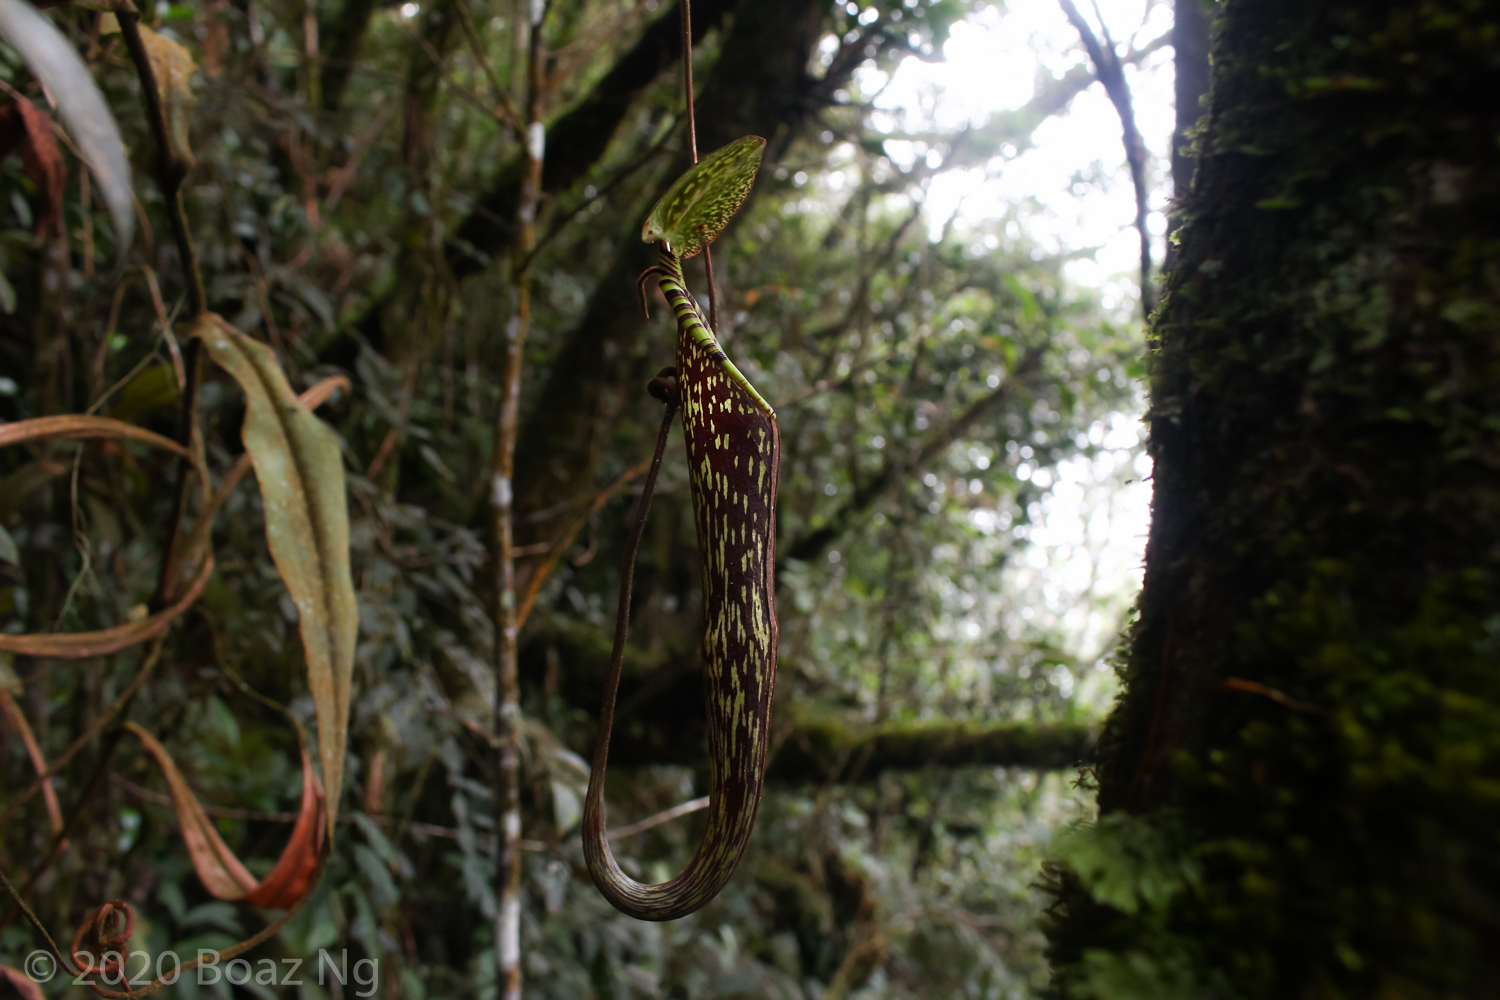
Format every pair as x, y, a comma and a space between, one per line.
502, 497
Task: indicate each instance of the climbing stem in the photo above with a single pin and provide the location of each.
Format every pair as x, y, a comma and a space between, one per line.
171, 171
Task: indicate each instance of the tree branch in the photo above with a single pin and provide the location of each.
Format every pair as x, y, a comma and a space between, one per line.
578, 138
815, 749
1110, 71
895, 473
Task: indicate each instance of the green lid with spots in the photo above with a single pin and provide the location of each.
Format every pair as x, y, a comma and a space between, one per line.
698, 207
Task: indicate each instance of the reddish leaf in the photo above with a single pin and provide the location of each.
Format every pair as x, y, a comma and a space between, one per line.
25, 986
293, 875
220, 871
43, 162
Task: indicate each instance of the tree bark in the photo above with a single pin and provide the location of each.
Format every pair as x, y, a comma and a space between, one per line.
1190, 60
1296, 786
1190, 31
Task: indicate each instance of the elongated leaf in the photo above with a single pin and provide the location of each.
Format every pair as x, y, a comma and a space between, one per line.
198, 541
220, 871
700, 204
218, 868
52, 58
301, 476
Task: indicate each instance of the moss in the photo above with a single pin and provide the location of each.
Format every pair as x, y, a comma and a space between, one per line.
820, 743
1311, 692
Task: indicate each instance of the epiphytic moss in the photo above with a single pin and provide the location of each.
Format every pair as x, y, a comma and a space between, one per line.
1311, 706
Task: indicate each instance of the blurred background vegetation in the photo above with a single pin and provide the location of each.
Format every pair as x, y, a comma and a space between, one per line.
954, 393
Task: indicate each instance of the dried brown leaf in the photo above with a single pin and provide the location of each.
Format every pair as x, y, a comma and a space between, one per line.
25, 124
74, 425
173, 66
218, 868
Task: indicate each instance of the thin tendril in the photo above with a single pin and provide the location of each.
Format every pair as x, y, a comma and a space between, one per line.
692, 130
627, 578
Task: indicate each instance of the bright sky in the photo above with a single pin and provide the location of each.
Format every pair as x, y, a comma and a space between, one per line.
992, 63
1089, 537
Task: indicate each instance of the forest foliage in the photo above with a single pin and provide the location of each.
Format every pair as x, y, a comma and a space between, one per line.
350, 183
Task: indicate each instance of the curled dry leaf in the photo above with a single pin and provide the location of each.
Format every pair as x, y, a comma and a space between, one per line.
103, 939
220, 871
301, 474
75, 425
52, 58
79, 645
173, 67
75, 645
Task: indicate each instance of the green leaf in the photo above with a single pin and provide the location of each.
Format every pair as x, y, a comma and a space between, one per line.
696, 209
1126, 862
301, 474
151, 389
1029, 307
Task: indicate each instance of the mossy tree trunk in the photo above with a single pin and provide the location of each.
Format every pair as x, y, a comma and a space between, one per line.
1300, 786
